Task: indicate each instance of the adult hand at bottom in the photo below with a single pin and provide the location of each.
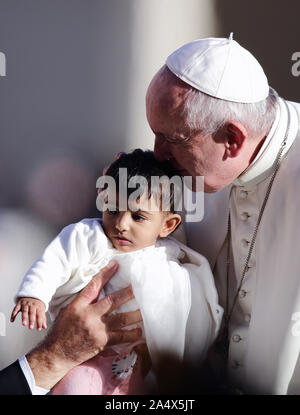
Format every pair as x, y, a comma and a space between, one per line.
83, 329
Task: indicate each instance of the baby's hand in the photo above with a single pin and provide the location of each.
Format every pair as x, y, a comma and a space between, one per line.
32, 309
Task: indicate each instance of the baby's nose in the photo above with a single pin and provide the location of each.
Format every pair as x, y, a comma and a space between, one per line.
123, 222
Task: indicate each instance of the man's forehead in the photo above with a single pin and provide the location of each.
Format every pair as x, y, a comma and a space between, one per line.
167, 91
170, 122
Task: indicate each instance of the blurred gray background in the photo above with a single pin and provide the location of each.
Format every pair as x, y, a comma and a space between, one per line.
73, 95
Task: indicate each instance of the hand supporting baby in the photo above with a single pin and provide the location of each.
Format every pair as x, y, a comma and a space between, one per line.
83, 329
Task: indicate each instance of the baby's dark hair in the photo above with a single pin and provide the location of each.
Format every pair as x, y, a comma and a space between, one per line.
143, 163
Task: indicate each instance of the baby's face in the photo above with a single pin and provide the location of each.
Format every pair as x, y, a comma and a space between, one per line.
135, 229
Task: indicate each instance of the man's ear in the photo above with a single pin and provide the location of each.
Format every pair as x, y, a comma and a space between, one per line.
171, 223
235, 135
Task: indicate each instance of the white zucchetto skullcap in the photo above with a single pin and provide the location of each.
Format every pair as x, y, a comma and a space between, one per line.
221, 68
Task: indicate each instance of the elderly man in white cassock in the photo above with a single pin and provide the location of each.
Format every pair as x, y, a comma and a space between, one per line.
214, 115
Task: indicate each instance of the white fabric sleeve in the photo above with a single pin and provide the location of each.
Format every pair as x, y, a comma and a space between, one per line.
55, 265
35, 390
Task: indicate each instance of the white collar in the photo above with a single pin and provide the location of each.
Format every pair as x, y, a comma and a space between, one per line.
262, 165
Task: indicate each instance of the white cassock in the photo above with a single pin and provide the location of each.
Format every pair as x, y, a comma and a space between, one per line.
264, 331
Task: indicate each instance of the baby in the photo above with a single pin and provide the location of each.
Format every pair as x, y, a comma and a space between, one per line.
172, 284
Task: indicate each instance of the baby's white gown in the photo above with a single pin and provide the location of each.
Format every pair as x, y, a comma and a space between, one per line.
172, 284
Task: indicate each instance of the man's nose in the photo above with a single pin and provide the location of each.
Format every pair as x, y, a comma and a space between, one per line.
161, 150
123, 222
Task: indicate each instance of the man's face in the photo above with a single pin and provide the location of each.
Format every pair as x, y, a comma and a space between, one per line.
190, 152
134, 229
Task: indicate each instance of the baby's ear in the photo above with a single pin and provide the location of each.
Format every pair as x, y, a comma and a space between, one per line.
170, 224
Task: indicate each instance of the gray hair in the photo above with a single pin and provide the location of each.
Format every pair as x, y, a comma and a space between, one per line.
208, 114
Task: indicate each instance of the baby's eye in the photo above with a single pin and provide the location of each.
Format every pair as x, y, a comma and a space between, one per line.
137, 217
112, 211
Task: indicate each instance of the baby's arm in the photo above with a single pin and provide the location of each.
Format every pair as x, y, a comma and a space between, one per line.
49, 272
32, 309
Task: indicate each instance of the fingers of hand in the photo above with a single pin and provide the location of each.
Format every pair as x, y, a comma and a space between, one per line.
114, 300
120, 320
15, 312
25, 309
32, 316
41, 321
124, 336
91, 292
31, 309
44, 325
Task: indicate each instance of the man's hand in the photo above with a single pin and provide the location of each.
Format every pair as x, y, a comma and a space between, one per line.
83, 329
